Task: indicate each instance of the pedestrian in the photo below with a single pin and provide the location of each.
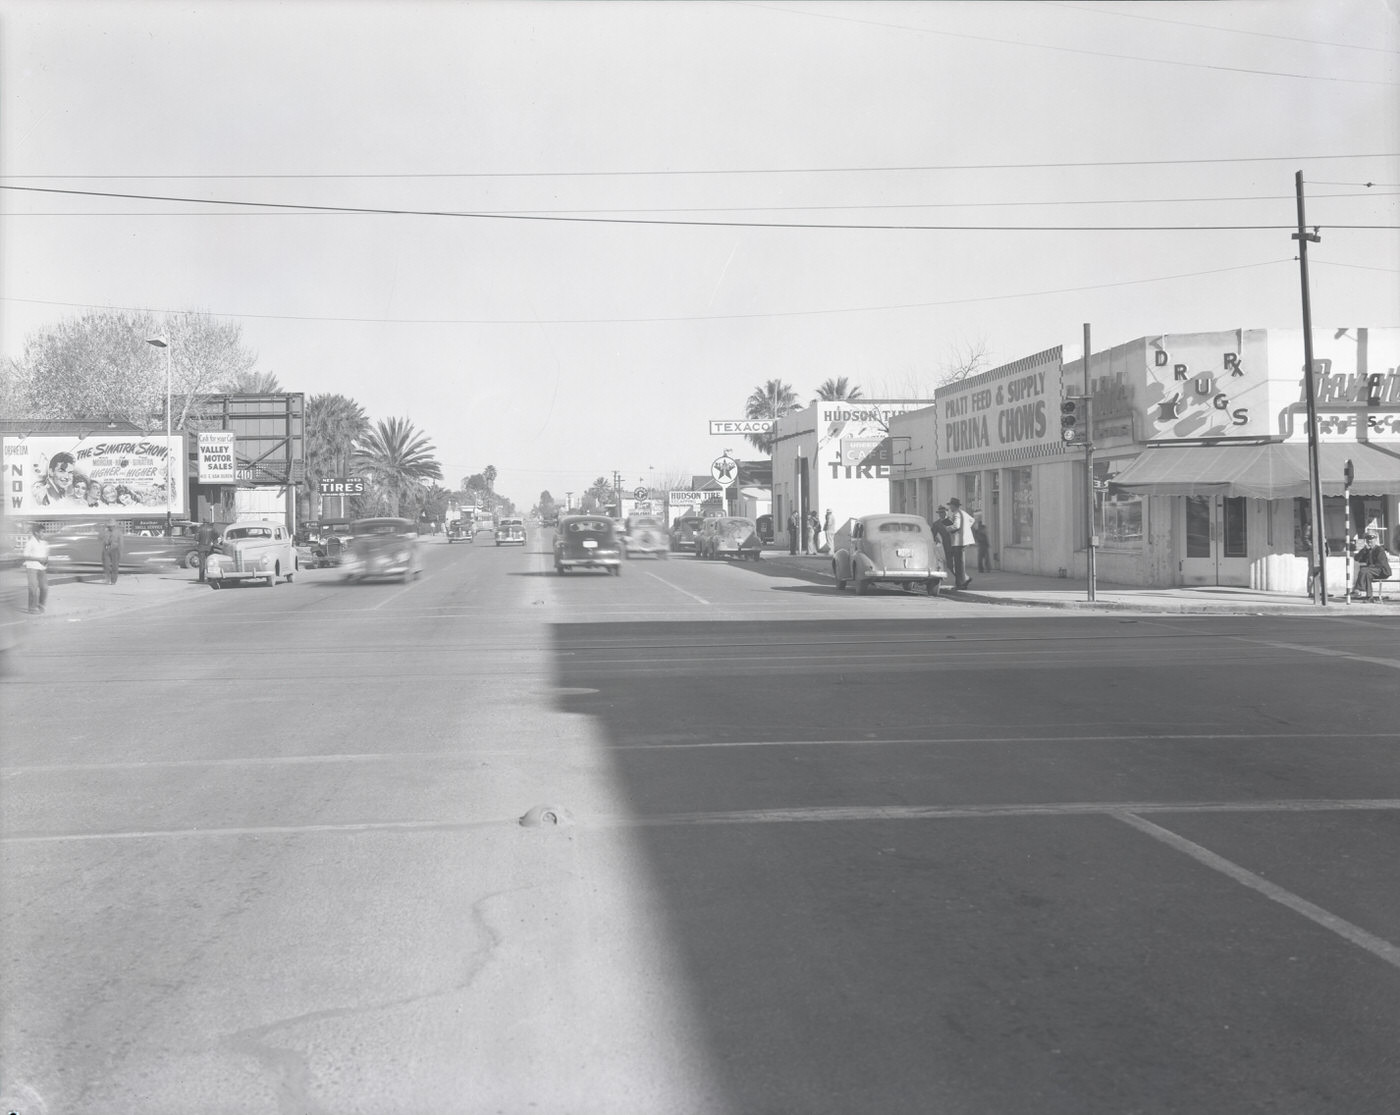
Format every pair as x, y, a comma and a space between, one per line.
984, 546
204, 544
36, 568
1372, 564
807, 533
961, 529
794, 531
814, 528
829, 527
942, 534
111, 538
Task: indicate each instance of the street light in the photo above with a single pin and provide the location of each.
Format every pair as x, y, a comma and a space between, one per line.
161, 342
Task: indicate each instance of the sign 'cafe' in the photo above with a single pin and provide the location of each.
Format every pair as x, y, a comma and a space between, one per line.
1200, 456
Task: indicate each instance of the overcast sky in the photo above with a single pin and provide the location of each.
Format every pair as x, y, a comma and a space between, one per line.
1041, 165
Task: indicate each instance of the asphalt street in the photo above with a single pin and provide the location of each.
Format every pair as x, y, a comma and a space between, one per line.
784, 850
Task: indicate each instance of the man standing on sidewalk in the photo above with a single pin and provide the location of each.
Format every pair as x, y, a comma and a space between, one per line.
204, 544
794, 531
962, 539
36, 568
111, 538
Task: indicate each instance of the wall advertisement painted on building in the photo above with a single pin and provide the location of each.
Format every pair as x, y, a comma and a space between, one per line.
1206, 385
853, 439
1011, 410
1357, 384
122, 477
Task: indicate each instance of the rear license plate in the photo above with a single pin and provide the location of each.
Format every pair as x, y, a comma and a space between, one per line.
589, 544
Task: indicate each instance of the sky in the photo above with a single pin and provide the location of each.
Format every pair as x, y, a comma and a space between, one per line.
560, 238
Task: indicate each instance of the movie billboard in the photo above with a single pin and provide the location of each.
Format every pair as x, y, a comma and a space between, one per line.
123, 476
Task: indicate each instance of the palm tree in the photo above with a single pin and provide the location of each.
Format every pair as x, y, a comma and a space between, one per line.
839, 388
771, 400
489, 475
250, 383
398, 459
334, 427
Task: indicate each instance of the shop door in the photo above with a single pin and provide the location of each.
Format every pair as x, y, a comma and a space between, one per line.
1216, 541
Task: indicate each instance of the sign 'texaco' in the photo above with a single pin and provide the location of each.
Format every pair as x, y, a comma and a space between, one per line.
719, 426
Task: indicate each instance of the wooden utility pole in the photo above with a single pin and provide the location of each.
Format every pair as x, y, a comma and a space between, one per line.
1319, 540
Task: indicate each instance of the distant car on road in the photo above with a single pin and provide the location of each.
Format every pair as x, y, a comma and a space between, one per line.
455, 531
510, 532
252, 551
646, 535
384, 547
685, 532
587, 542
729, 536
899, 549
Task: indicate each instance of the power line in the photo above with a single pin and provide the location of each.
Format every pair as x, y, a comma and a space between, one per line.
1071, 49
745, 208
664, 320
809, 225
712, 172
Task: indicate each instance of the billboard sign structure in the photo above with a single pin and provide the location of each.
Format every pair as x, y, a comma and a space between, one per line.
119, 477
217, 462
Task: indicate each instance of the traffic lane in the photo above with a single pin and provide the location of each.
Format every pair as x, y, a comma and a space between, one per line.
1013, 964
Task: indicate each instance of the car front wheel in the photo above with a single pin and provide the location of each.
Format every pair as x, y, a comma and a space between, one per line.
840, 584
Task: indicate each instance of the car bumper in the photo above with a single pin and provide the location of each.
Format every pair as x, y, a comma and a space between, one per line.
903, 574
601, 561
355, 567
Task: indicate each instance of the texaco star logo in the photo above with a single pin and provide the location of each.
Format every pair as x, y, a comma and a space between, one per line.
724, 469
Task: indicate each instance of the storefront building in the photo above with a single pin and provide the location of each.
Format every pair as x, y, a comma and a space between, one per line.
1200, 457
835, 456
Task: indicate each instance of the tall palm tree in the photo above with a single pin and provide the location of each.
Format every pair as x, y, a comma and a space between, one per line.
770, 400
334, 426
489, 475
398, 459
839, 388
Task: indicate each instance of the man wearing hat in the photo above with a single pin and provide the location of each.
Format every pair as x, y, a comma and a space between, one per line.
961, 529
1372, 564
941, 532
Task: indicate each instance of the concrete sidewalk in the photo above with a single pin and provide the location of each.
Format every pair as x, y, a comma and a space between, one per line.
78, 595
1023, 589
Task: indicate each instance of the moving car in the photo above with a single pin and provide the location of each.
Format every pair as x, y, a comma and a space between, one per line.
252, 551
891, 548
729, 536
76, 545
646, 535
587, 542
685, 531
455, 531
382, 548
510, 531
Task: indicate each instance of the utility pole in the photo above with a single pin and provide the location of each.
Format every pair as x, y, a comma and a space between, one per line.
1090, 538
1319, 542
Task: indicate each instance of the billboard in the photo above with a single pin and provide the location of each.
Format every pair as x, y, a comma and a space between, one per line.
217, 463
1010, 410
123, 476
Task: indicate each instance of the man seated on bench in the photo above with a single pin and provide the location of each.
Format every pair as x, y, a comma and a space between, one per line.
1372, 564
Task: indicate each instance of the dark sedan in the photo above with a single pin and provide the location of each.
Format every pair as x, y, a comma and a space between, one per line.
382, 548
587, 542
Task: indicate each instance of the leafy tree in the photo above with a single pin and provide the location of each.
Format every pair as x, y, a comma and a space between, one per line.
251, 383
547, 507
599, 494
101, 366
769, 400
840, 388
334, 427
398, 459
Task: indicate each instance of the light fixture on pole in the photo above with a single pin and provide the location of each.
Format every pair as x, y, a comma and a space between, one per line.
161, 342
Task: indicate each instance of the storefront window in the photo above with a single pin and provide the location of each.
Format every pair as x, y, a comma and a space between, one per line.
1236, 528
1198, 526
1367, 513
1120, 511
1022, 507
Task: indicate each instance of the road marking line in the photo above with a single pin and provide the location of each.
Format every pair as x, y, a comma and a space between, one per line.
798, 815
664, 581
1326, 652
1167, 737
1377, 946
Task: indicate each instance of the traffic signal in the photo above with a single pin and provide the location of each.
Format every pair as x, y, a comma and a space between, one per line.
1072, 419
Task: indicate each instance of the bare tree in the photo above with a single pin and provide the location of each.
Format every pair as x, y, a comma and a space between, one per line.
965, 360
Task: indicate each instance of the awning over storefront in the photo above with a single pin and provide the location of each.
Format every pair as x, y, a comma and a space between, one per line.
1273, 471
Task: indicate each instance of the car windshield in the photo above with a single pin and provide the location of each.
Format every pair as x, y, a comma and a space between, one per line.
900, 527
390, 527
235, 533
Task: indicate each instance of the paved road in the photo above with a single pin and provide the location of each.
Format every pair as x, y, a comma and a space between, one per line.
261, 852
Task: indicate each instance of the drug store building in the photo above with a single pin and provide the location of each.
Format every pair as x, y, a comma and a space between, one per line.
1200, 456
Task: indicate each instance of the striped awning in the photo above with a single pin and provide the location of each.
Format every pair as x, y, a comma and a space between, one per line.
1277, 470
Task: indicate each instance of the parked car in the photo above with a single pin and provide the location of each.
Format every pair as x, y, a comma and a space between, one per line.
455, 531
646, 535
382, 548
252, 551
75, 545
893, 548
510, 531
764, 523
587, 542
728, 536
685, 532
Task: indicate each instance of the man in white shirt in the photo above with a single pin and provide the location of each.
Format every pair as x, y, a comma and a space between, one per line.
36, 568
963, 537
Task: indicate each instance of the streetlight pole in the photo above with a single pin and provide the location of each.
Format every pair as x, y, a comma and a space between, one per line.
161, 342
